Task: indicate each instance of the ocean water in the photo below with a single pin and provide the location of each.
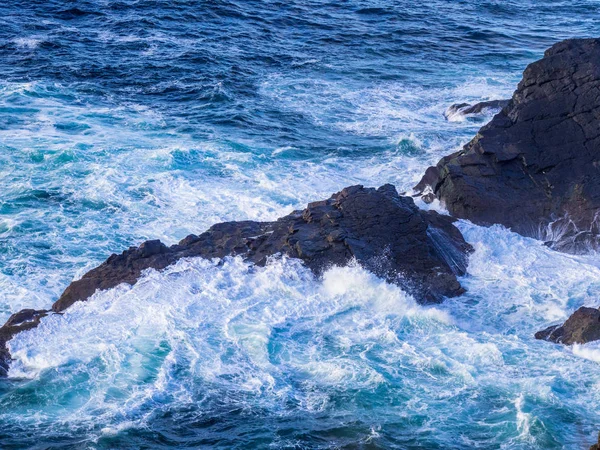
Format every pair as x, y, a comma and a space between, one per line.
128, 120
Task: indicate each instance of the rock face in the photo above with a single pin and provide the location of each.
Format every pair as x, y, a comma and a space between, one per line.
466, 109
583, 326
535, 167
422, 251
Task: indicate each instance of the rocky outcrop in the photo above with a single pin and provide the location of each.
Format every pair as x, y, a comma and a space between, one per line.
422, 251
459, 110
535, 167
583, 326
25, 319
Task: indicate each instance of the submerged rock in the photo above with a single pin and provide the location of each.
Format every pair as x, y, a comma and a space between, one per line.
422, 251
535, 167
583, 326
459, 110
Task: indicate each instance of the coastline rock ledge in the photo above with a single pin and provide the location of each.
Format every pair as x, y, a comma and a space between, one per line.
422, 251
535, 167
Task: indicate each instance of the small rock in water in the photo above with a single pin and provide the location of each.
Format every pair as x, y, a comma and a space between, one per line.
460, 110
583, 326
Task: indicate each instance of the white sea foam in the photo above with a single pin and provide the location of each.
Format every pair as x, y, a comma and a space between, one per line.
231, 326
523, 284
387, 109
257, 331
523, 420
29, 42
590, 351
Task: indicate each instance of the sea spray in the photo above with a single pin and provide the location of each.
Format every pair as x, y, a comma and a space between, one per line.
282, 345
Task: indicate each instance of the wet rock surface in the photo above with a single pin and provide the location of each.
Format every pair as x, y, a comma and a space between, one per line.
23, 320
467, 109
422, 251
535, 167
583, 326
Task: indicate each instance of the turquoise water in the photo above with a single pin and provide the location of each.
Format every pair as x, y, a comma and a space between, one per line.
124, 121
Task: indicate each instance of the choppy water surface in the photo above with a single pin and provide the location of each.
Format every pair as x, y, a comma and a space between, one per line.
127, 120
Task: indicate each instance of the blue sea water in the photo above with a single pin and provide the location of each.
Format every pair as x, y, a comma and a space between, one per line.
127, 120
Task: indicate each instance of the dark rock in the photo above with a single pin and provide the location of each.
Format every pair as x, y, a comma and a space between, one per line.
422, 251
583, 326
596, 446
386, 233
424, 188
466, 109
535, 167
25, 319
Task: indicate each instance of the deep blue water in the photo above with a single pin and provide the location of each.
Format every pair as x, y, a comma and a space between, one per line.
127, 120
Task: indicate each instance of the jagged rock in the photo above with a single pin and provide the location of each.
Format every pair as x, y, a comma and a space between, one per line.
25, 319
422, 251
583, 326
466, 109
535, 167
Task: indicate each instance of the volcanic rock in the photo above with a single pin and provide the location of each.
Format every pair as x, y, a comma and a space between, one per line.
535, 167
